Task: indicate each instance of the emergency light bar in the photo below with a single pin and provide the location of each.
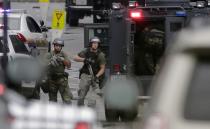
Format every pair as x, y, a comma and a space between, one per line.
135, 14
2, 10
181, 13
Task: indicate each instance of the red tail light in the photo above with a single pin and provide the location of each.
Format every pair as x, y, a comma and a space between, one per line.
136, 14
2, 89
82, 125
116, 68
21, 37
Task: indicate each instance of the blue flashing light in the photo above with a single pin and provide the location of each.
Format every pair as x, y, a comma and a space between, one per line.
7, 10
181, 13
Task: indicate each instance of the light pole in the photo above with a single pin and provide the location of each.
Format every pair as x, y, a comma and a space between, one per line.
4, 59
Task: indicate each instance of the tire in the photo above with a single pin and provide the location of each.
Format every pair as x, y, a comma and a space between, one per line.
73, 22
111, 115
128, 115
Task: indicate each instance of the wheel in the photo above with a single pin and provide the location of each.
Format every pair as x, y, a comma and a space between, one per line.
73, 22
111, 114
128, 115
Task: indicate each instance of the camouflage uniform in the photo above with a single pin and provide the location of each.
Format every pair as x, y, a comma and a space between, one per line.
86, 79
154, 48
58, 79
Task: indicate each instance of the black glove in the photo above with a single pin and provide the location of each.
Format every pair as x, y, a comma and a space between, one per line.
89, 61
60, 59
54, 61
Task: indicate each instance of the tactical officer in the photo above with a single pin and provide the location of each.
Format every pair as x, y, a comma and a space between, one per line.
92, 58
57, 61
154, 47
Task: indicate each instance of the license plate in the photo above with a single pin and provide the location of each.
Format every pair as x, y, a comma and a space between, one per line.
81, 2
118, 77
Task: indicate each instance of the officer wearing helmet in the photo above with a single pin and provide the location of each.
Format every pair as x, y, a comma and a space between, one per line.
91, 56
57, 78
154, 45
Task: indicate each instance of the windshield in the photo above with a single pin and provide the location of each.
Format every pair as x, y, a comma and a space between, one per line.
13, 23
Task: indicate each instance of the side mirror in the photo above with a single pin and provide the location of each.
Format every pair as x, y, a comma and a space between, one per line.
44, 29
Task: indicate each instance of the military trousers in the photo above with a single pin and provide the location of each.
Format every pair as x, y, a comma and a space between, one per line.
61, 85
85, 83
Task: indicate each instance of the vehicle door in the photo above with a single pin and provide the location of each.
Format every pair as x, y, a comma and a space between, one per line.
172, 26
130, 33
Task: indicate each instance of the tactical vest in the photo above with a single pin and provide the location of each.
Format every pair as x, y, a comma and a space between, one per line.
59, 70
95, 66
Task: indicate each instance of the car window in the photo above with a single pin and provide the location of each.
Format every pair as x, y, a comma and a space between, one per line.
18, 45
197, 100
32, 25
13, 23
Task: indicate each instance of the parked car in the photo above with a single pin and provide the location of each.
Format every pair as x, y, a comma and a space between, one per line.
180, 98
16, 47
25, 25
